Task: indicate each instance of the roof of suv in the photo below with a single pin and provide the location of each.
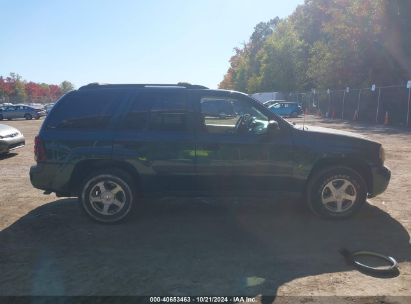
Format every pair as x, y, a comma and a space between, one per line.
181, 85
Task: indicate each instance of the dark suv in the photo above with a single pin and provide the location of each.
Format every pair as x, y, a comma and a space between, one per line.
109, 144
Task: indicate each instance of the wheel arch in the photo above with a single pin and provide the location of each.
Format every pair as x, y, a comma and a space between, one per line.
84, 168
359, 166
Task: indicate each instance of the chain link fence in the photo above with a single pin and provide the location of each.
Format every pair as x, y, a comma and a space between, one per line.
381, 105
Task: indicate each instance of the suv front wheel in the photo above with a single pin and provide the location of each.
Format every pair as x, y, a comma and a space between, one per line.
107, 196
336, 192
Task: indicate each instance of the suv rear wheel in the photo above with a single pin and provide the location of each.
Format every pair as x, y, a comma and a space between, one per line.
336, 192
107, 196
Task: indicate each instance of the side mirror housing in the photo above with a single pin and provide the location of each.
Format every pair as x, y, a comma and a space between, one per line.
273, 127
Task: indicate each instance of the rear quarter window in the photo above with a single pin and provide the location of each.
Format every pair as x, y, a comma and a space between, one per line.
88, 109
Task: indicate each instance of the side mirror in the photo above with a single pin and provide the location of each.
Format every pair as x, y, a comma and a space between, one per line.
272, 127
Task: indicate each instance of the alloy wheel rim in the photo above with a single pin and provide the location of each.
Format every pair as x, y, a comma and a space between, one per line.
107, 197
338, 195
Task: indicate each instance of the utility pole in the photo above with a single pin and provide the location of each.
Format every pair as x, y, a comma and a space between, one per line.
378, 105
347, 90
358, 106
409, 97
329, 102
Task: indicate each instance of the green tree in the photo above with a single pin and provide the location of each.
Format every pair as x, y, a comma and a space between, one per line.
18, 92
66, 86
326, 44
282, 60
244, 66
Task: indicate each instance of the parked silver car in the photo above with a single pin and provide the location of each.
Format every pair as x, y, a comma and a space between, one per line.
10, 139
21, 111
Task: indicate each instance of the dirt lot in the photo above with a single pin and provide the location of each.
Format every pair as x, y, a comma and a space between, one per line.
198, 247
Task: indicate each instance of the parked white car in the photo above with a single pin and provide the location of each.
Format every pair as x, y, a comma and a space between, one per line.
10, 139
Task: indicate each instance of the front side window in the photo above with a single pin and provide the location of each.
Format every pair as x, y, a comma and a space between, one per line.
231, 116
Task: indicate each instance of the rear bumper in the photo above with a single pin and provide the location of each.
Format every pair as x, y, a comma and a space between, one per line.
39, 178
380, 179
50, 177
10, 144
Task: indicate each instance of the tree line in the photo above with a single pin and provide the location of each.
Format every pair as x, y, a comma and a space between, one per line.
16, 90
326, 44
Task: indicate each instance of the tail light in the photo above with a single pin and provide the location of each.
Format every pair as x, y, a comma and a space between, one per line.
39, 150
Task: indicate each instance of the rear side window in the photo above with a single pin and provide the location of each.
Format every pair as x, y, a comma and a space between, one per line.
158, 111
86, 109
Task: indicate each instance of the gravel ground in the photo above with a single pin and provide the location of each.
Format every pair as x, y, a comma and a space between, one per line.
203, 247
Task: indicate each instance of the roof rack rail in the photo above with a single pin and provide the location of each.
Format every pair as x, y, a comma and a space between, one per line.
97, 85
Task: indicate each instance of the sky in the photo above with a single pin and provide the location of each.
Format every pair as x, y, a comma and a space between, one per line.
128, 41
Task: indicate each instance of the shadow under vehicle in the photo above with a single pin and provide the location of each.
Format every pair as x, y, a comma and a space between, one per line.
186, 247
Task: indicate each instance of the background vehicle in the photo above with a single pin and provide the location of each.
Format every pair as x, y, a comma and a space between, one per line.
117, 141
5, 104
48, 107
10, 139
290, 109
21, 111
263, 97
271, 102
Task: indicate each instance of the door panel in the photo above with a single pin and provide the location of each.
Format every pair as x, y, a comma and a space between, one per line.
156, 136
233, 162
11, 112
244, 164
165, 162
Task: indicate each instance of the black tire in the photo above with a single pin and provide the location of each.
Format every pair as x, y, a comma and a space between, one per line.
108, 177
336, 183
28, 116
1, 117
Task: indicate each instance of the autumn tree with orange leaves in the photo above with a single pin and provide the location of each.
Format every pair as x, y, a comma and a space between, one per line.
16, 90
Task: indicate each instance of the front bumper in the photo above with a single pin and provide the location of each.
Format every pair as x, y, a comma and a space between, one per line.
380, 179
11, 143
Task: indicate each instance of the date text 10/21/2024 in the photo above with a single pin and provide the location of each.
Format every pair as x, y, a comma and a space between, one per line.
202, 299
